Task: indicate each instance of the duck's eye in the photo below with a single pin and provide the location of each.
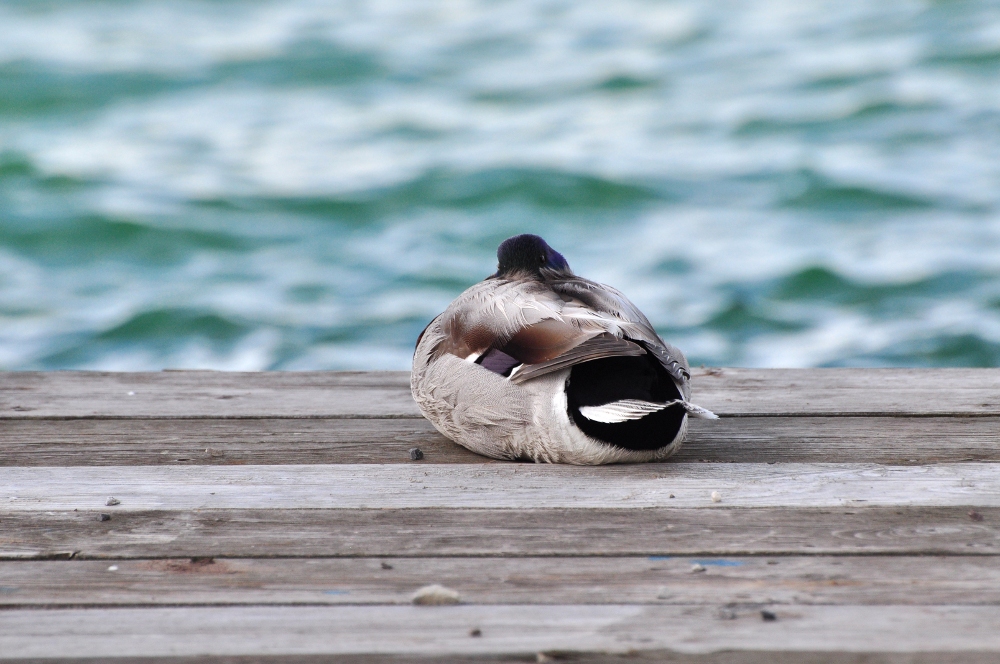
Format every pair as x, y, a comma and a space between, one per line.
542, 260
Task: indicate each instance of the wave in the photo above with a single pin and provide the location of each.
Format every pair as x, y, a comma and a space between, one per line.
31, 89
820, 284
18, 172
173, 325
742, 320
851, 122
822, 194
550, 190
302, 63
943, 350
988, 59
83, 239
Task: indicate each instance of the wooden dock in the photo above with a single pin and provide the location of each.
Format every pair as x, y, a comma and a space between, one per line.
278, 517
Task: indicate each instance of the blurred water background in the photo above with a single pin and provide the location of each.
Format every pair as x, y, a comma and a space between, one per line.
303, 185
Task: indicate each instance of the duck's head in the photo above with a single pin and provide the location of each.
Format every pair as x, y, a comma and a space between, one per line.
528, 255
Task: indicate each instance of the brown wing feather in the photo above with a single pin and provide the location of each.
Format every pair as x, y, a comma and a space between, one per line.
602, 345
462, 341
535, 343
544, 341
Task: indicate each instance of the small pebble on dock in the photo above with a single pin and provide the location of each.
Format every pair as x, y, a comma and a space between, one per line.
768, 616
975, 516
112, 501
716, 497
436, 595
476, 632
416, 454
386, 566
113, 568
697, 568
105, 517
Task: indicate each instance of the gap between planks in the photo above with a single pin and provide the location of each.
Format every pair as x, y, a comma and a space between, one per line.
737, 582
518, 629
887, 440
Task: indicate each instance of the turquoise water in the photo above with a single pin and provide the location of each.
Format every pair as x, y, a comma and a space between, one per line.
303, 185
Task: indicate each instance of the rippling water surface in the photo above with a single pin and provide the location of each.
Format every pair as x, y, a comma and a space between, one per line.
303, 185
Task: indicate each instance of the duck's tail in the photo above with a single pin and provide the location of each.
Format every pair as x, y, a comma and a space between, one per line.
695, 411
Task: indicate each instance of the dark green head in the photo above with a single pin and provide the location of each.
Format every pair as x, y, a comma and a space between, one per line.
528, 254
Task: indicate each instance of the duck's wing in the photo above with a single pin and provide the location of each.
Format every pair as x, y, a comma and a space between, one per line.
523, 317
525, 325
610, 303
595, 348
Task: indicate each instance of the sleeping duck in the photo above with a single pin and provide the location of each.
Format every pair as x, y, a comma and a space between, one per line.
536, 363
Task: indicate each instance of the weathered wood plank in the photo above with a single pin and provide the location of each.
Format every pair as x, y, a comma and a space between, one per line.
206, 394
522, 630
848, 391
483, 532
497, 486
886, 440
738, 581
148, 442
94, 442
628, 657
736, 392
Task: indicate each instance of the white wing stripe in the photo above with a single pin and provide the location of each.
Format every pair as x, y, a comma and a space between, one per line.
634, 409
621, 411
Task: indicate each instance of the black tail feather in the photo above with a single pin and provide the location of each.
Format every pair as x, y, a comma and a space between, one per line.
611, 379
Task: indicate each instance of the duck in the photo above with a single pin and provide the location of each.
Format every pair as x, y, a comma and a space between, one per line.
535, 363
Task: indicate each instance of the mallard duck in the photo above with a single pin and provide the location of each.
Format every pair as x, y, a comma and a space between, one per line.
535, 363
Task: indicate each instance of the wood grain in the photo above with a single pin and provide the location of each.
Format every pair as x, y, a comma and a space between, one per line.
730, 392
149, 442
482, 532
577, 657
497, 486
508, 630
86, 442
211, 394
778, 392
734, 581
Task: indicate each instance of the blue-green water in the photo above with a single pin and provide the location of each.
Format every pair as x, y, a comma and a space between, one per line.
303, 185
